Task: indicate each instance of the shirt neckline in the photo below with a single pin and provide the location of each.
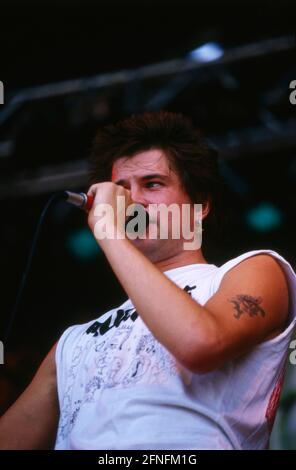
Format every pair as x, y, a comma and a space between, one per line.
189, 266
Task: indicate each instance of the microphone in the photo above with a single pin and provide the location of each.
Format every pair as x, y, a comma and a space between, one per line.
81, 200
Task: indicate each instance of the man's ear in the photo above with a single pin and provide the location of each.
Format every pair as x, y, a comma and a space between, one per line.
206, 207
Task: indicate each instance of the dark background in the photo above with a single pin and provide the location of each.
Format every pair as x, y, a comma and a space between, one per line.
243, 107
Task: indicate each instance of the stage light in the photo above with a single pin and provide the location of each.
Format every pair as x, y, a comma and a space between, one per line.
82, 245
207, 52
265, 217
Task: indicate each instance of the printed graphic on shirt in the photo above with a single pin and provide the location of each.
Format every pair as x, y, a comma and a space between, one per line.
121, 316
119, 352
102, 327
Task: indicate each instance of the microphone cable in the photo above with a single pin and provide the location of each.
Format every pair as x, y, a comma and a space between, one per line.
56, 196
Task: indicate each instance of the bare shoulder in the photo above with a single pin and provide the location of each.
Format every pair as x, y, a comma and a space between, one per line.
250, 306
263, 268
257, 280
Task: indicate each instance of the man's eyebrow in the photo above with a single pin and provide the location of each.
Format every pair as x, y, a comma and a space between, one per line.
147, 177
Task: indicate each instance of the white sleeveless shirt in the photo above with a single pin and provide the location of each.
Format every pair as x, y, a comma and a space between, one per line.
119, 388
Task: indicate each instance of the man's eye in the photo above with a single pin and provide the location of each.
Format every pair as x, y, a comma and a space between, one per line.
152, 184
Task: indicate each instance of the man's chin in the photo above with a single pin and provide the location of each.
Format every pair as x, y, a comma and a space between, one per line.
147, 245
143, 241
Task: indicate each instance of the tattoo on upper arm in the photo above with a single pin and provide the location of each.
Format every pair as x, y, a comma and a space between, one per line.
247, 304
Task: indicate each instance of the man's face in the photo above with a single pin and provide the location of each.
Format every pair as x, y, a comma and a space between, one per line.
151, 181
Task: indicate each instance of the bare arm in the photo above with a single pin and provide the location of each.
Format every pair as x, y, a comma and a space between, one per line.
250, 306
31, 422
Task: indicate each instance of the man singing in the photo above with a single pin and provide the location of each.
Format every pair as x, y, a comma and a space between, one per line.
195, 357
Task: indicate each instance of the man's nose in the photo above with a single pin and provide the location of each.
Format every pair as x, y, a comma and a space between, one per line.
138, 196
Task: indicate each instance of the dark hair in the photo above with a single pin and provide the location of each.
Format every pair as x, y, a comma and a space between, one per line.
187, 152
